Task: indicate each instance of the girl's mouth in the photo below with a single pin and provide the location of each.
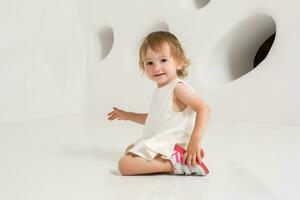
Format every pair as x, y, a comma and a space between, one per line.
159, 74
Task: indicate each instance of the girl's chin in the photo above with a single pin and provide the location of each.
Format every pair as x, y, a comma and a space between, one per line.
162, 83
160, 79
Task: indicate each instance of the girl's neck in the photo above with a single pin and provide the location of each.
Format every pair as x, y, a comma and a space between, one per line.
161, 86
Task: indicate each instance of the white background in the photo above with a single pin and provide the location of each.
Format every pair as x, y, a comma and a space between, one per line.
65, 63
65, 57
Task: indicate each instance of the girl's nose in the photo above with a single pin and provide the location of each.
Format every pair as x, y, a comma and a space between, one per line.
156, 66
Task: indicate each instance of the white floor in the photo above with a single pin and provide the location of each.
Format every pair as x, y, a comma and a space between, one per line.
75, 157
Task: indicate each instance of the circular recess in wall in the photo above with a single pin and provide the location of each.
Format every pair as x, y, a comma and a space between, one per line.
240, 50
105, 37
263, 50
198, 4
158, 26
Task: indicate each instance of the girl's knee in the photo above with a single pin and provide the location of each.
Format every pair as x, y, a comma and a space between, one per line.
125, 166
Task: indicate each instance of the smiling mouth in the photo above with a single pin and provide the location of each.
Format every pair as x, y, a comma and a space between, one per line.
159, 74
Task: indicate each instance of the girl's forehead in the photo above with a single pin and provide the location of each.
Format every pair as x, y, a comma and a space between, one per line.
163, 50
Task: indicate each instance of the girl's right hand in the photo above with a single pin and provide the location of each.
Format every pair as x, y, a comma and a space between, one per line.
117, 114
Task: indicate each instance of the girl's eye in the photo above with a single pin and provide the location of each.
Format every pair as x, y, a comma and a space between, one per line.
149, 63
163, 60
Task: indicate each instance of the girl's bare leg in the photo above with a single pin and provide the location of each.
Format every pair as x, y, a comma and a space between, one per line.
131, 164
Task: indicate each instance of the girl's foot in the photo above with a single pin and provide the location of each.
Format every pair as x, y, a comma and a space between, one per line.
182, 168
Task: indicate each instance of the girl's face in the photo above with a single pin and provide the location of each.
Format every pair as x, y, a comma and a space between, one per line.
160, 67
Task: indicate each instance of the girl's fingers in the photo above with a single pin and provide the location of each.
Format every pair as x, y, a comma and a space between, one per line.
113, 116
199, 158
184, 158
115, 110
111, 113
194, 159
189, 160
116, 113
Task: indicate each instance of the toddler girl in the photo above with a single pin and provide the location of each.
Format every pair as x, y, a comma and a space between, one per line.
171, 141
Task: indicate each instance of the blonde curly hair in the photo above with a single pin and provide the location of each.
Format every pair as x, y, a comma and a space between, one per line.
156, 41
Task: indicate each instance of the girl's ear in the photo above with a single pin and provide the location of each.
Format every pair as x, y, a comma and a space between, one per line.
179, 66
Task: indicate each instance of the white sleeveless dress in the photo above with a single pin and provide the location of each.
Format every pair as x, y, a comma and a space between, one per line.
163, 127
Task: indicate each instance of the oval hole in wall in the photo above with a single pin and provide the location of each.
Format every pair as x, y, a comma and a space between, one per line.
159, 26
106, 39
200, 3
263, 50
233, 55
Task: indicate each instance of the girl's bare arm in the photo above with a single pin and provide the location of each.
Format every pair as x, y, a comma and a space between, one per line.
139, 118
203, 113
119, 114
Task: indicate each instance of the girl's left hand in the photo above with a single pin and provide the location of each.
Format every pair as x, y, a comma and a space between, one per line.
192, 156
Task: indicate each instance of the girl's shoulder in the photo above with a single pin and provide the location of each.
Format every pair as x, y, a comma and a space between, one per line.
183, 85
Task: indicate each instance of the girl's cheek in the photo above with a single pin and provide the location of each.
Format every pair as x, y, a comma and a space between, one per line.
147, 70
